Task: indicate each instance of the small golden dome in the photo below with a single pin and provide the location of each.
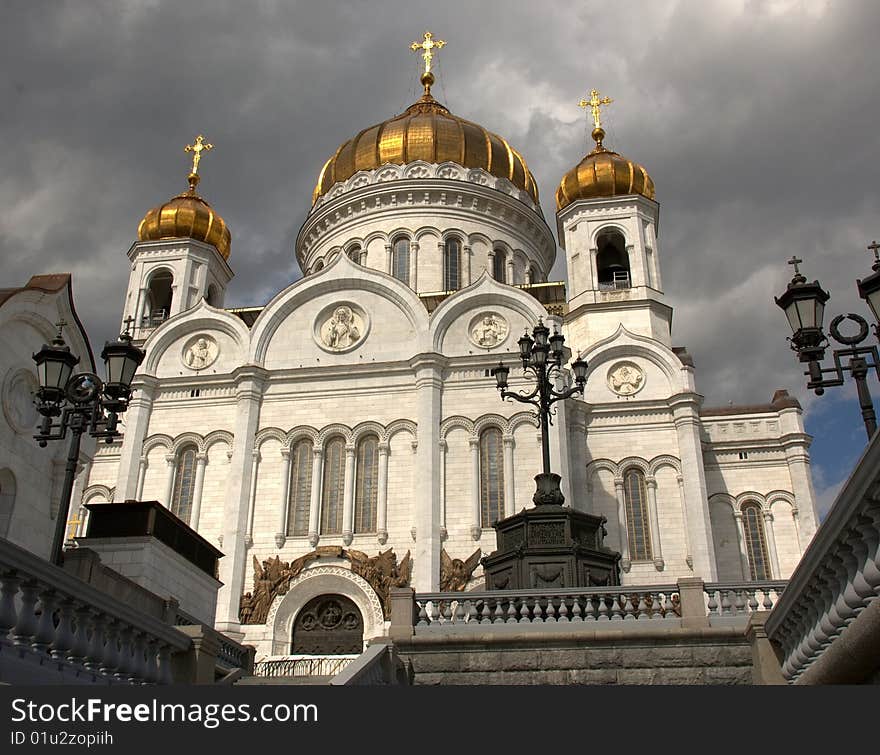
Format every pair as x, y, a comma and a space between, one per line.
603, 173
187, 216
427, 131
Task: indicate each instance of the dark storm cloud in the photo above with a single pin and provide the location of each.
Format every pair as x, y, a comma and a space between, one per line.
757, 120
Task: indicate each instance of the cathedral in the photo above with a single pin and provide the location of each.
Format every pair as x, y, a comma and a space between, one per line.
355, 413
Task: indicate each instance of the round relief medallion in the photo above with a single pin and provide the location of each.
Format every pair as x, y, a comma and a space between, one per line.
626, 378
488, 330
200, 352
341, 327
19, 389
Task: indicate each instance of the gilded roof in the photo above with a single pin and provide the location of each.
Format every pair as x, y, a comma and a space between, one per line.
427, 131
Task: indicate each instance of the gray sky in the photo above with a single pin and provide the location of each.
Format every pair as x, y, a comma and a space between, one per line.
757, 120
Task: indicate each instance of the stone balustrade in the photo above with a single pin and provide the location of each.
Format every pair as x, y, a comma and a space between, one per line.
55, 628
740, 598
827, 621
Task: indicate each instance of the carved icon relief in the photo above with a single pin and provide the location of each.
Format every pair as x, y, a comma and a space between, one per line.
19, 389
488, 330
201, 352
626, 378
341, 327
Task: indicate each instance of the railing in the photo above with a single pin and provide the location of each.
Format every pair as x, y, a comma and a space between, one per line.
55, 627
440, 610
234, 655
302, 665
379, 664
740, 598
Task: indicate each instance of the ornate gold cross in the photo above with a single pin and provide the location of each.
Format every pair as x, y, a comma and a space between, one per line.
427, 46
73, 524
197, 150
594, 103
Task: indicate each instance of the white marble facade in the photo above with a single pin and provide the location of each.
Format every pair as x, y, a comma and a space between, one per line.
349, 350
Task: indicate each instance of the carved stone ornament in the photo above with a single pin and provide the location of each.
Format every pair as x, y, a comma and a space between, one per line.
341, 327
626, 378
200, 352
488, 330
19, 388
455, 573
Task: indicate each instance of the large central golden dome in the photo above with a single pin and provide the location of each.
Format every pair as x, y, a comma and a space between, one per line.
427, 131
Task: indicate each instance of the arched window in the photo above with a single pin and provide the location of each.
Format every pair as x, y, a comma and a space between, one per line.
400, 259
491, 477
319, 265
333, 489
637, 530
211, 296
534, 275
612, 261
499, 265
756, 541
300, 488
354, 253
366, 484
184, 483
451, 264
157, 304
7, 500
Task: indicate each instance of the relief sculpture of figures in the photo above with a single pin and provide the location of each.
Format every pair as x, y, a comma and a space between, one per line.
270, 580
626, 379
455, 573
342, 330
382, 572
489, 331
201, 354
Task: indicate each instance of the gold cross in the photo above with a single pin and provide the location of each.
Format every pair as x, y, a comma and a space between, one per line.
197, 150
594, 103
427, 45
73, 525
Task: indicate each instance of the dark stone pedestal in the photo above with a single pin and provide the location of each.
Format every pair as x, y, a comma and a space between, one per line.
551, 546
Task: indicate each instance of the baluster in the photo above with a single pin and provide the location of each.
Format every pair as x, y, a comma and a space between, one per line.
113, 660
537, 612
524, 611
551, 611
563, 610
511, 611
26, 626
603, 608
80, 648
46, 626
725, 603
445, 611
458, 616
485, 618
151, 670
767, 603
740, 603
423, 615
64, 638
165, 664
643, 608
712, 605
616, 612
95, 653
628, 608
753, 601
590, 612
498, 615
657, 605
8, 614
576, 609
472, 614
139, 666
126, 662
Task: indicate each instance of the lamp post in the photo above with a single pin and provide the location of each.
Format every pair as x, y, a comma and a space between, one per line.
542, 356
81, 403
804, 306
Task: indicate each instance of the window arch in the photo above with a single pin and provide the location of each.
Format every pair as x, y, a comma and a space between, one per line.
499, 265
534, 275
452, 264
366, 484
157, 303
354, 253
612, 261
637, 531
491, 477
7, 500
756, 541
184, 483
400, 259
212, 296
333, 489
300, 488
319, 265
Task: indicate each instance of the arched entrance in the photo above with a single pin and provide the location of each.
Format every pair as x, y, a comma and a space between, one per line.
328, 625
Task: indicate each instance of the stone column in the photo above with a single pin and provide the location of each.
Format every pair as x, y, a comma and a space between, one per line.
771, 545
797, 529
428, 371
201, 461
689, 559
388, 259
476, 519
414, 265
142, 474
252, 503
137, 422
656, 549
348, 497
508, 271
170, 465
249, 385
686, 417
625, 562
382, 494
467, 273
490, 263
281, 531
529, 274
443, 448
743, 552
315, 499
509, 487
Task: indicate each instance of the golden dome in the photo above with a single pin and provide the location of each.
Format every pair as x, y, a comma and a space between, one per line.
427, 131
187, 216
603, 173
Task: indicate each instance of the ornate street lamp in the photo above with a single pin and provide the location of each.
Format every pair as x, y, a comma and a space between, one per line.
804, 306
81, 403
542, 355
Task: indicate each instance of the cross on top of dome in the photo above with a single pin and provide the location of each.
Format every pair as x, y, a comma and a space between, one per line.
427, 46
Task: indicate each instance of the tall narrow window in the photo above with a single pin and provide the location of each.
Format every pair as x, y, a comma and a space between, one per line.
637, 516
400, 259
756, 541
354, 253
491, 477
333, 491
499, 263
184, 483
157, 304
366, 484
612, 261
300, 488
451, 264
